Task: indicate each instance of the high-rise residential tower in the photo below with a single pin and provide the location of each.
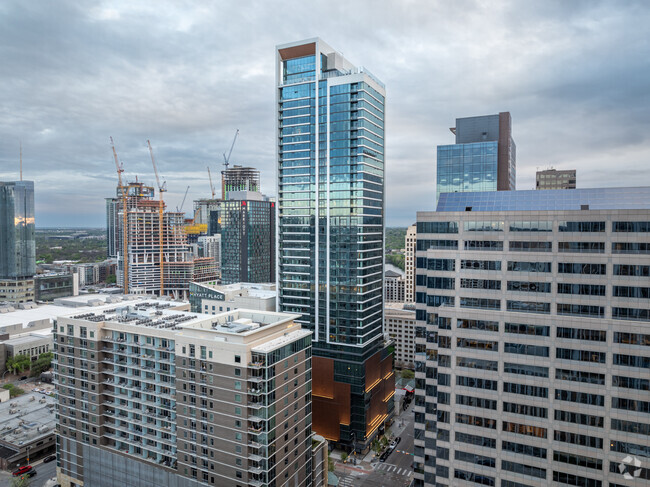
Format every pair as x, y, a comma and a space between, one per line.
152, 396
17, 241
482, 159
533, 339
554, 179
331, 232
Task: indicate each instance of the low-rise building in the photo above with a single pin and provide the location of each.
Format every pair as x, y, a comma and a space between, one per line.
17, 290
27, 429
212, 298
48, 287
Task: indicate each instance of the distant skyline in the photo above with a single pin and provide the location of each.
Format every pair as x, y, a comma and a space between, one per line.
573, 75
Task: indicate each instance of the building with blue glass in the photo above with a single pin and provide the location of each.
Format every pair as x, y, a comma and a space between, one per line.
533, 338
17, 241
482, 159
330, 255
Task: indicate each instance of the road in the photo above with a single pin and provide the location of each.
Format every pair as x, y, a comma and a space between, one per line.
397, 470
45, 472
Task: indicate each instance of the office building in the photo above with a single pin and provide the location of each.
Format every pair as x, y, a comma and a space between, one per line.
17, 241
145, 268
212, 298
482, 159
532, 338
409, 264
152, 396
247, 238
331, 231
399, 325
554, 179
48, 287
393, 287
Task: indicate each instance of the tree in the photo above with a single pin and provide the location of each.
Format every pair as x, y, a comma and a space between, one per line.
111, 279
23, 481
43, 363
13, 390
344, 456
407, 374
19, 363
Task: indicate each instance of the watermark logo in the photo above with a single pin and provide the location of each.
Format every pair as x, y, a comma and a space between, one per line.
632, 464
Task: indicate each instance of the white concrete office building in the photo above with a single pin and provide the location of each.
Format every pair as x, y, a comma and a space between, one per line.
533, 339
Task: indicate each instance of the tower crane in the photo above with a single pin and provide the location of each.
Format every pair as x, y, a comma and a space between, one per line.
125, 257
211, 185
161, 207
226, 163
179, 209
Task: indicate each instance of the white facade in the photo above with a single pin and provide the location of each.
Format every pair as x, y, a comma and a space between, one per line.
534, 331
399, 325
409, 264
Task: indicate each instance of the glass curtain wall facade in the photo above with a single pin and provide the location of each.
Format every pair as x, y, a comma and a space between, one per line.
331, 231
482, 159
248, 241
17, 241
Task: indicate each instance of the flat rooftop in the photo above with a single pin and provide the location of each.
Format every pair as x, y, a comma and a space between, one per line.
637, 198
255, 290
27, 417
162, 316
60, 308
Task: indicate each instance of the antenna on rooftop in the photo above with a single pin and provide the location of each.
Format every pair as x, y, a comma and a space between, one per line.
21, 160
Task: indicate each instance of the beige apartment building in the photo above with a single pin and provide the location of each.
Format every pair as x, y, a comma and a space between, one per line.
152, 396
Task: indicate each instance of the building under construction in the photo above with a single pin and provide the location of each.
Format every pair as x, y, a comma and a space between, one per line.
151, 233
239, 178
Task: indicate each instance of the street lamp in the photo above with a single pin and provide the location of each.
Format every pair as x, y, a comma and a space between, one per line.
28, 454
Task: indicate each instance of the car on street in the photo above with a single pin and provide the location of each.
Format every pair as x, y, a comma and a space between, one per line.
398, 439
49, 459
24, 470
392, 445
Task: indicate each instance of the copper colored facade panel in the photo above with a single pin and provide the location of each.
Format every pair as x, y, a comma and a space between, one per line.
330, 400
297, 51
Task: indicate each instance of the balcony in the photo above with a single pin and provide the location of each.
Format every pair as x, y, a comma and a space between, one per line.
256, 365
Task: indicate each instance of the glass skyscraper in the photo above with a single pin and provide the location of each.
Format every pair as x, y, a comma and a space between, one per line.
17, 241
482, 159
331, 233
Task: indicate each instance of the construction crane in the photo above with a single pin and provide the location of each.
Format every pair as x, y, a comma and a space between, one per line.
161, 207
125, 259
211, 185
226, 163
183, 202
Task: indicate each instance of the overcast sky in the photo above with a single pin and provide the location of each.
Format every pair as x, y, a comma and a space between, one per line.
575, 75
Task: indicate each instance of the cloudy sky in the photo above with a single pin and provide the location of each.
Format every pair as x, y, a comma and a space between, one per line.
575, 76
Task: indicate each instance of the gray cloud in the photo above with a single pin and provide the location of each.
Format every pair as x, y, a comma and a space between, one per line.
185, 75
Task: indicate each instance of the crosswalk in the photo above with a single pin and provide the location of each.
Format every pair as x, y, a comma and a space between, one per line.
387, 467
346, 482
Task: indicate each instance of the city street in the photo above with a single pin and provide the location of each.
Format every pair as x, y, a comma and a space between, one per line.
45, 472
396, 471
